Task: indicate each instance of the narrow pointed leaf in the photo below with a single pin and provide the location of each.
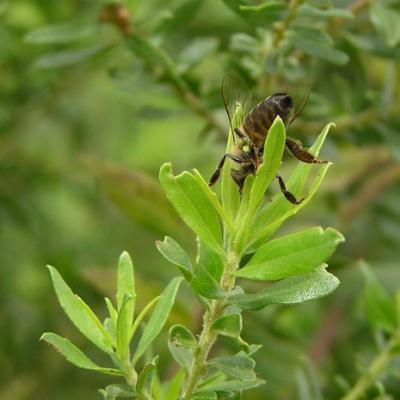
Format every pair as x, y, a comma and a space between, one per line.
123, 329
158, 318
296, 289
229, 190
80, 314
176, 255
76, 356
266, 173
275, 213
142, 314
273, 151
126, 288
293, 254
194, 207
112, 312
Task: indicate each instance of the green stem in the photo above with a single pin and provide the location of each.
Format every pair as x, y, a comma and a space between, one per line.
378, 365
207, 337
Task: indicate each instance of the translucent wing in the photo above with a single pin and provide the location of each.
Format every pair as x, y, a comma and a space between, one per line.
300, 99
235, 92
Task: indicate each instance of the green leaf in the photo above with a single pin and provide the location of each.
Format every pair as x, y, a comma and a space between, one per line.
266, 172
263, 14
126, 287
228, 325
205, 395
69, 57
318, 44
176, 255
214, 200
174, 385
379, 306
293, 254
112, 392
61, 33
76, 356
206, 285
229, 191
124, 329
158, 318
275, 213
386, 20
274, 147
296, 289
152, 54
145, 379
80, 314
209, 270
238, 366
307, 10
112, 312
142, 314
194, 207
181, 344
196, 52
234, 385
181, 15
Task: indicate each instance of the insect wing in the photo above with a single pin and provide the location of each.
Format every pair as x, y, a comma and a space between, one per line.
300, 99
235, 92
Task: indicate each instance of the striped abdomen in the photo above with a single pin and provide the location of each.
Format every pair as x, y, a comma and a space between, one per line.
261, 117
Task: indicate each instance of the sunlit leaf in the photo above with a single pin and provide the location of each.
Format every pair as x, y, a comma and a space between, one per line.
158, 318
176, 255
275, 213
76, 356
293, 254
80, 314
126, 288
296, 289
194, 207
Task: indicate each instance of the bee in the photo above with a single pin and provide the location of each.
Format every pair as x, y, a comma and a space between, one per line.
249, 149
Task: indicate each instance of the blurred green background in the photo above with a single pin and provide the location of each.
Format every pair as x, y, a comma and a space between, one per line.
92, 102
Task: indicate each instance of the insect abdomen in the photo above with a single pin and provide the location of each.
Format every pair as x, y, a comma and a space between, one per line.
261, 117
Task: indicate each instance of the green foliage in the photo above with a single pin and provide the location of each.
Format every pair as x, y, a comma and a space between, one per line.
117, 343
95, 96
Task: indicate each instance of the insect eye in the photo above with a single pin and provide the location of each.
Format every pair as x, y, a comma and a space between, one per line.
246, 148
286, 102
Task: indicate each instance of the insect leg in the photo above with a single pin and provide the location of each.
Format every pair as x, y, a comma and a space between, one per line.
303, 155
240, 133
217, 172
289, 196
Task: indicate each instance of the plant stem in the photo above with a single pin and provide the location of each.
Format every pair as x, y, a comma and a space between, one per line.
207, 337
378, 365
